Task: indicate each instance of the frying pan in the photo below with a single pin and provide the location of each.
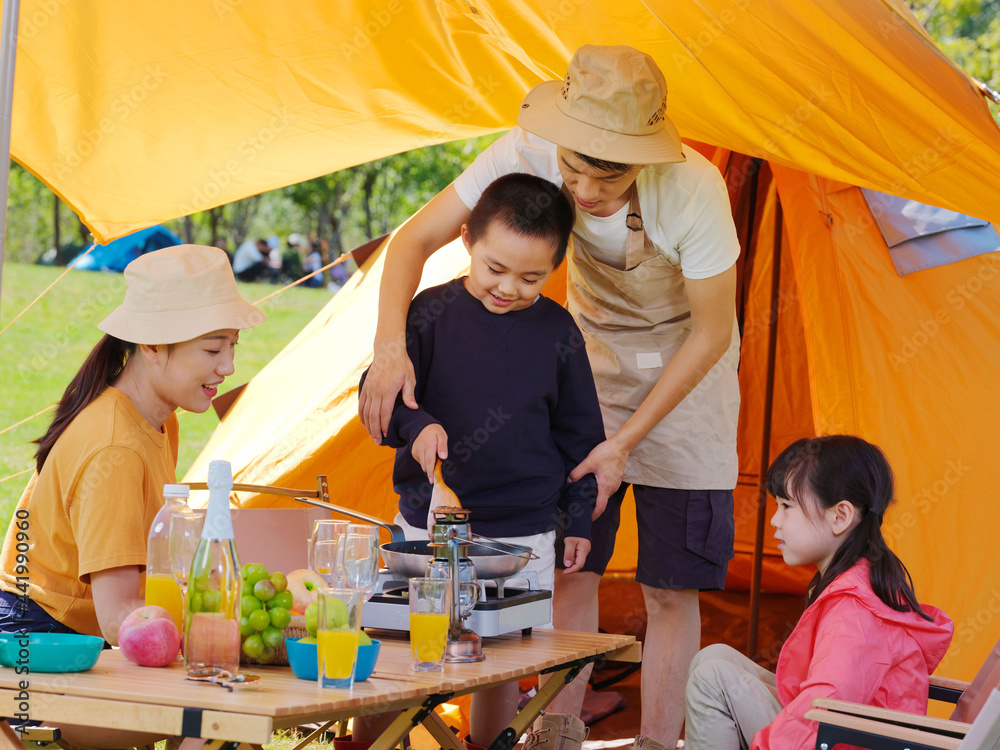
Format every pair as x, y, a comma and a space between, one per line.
498, 560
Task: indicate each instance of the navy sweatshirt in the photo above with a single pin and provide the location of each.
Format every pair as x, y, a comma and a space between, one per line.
516, 395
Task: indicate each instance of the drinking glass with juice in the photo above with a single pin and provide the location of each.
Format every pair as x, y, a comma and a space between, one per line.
163, 591
338, 626
430, 616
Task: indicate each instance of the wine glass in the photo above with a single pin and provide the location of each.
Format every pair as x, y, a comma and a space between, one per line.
358, 558
185, 535
323, 548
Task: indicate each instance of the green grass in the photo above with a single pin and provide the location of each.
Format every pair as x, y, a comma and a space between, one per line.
42, 351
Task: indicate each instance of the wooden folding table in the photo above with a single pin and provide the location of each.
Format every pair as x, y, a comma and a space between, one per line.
116, 694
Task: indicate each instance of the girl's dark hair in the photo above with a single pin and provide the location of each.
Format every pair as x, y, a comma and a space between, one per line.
102, 366
528, 206
838, 468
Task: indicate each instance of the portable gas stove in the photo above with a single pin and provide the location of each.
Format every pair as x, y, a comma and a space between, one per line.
500, 609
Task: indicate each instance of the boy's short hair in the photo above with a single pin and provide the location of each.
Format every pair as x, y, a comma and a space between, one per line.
527, 205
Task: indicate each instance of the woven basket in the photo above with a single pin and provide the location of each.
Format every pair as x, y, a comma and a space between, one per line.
295, 629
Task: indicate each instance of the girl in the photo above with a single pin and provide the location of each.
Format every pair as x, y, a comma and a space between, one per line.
102, 464
862, 638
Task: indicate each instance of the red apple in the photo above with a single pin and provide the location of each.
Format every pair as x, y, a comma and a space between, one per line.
148, 637
303, 584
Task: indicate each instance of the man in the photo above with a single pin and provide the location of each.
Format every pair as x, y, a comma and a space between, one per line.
651, 281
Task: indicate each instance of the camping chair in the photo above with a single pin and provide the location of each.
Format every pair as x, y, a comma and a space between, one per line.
838, 719
895, 730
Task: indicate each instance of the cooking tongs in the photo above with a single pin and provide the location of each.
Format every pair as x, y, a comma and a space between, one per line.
319, 498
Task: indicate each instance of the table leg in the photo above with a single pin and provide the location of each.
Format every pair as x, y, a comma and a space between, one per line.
545, 695
407, 720
313, 736
441, 732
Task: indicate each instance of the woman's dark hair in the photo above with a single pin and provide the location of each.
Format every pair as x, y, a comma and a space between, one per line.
837, 468
102, 366
527, 205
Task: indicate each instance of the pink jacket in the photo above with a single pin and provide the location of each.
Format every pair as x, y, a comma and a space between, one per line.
849, 645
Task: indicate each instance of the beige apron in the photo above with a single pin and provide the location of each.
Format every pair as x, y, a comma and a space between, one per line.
634, 320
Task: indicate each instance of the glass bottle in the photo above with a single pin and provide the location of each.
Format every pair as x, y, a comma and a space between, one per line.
212, 637
161, 588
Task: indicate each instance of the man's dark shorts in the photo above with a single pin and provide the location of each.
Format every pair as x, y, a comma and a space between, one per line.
685, 537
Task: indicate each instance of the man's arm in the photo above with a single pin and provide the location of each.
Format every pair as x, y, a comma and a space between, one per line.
713, 310
432, 227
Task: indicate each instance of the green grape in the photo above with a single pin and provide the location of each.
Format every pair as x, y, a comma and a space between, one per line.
256, 572
272, 636
249, 604
253, 646
280, 617
259, 619
283, 599
211, 600
246, 629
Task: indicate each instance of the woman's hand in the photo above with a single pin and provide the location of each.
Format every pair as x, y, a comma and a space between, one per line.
575, 553
390, 373
607, 463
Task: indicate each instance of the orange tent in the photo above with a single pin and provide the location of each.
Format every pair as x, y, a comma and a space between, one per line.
141, 112
905, 362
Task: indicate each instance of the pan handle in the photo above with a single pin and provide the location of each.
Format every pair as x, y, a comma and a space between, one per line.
505, 547
395, 533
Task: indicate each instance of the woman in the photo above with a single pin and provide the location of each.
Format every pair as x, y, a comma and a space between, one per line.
102, 464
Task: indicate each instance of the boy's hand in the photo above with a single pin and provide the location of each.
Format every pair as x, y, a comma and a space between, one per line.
575, 551
390, 372
607, 463
430, 445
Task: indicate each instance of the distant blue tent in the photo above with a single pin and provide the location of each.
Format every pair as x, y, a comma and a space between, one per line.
119, 253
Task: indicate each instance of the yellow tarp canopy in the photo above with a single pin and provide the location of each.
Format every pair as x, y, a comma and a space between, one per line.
135, 113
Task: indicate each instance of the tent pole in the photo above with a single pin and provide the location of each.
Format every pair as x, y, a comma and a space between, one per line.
8, 53
765, 443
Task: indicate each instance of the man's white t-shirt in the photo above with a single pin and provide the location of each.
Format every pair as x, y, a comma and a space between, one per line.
685, 206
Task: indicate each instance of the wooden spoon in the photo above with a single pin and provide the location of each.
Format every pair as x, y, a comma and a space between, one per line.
442, 495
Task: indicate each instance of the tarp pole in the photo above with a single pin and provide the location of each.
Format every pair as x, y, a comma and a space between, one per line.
765, 447
8, 53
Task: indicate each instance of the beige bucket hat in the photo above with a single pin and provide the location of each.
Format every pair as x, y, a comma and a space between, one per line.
177, 294
612, 106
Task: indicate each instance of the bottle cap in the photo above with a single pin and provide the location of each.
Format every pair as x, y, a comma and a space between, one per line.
176, 490
220, 475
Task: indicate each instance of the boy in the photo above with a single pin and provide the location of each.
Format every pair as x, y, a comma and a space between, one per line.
507, 399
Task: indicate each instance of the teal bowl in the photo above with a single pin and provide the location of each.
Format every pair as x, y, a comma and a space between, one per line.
303, 660
50, 652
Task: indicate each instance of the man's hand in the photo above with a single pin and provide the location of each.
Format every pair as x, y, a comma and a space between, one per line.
430, 446
391, 371
607, 463
575, 553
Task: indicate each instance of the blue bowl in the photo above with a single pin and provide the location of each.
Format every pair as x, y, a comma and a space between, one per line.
50, 652
304, 661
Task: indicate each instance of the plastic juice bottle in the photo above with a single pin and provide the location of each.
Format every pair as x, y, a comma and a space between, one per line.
428, 635
336, 650
212, 633
161, 588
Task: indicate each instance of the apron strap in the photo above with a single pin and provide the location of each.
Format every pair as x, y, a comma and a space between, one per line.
639, 247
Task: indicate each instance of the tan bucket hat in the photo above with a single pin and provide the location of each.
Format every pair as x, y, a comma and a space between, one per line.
177, 294
612, 106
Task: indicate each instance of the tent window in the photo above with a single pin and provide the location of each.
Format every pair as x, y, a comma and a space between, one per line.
921, 237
